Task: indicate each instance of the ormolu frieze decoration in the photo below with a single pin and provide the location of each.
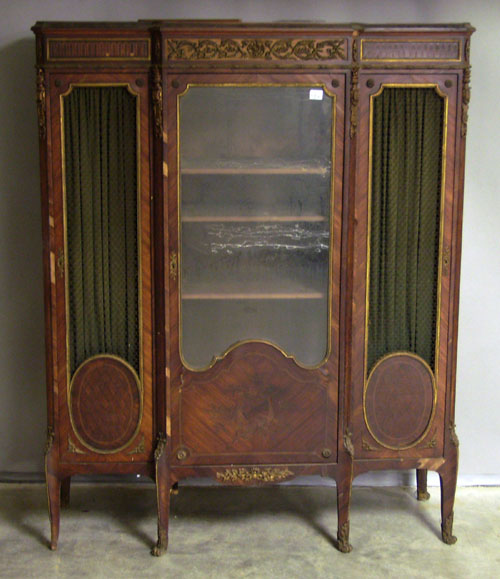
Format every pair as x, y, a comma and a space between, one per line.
453, 434
254, 474
255, 49
40, 103
73, 448
161, 443
343, 539
50, 439
157, 96
446, 531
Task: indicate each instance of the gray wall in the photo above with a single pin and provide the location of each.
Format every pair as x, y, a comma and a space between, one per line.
22, 388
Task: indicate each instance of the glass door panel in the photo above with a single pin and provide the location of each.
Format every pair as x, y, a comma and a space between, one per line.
255, 186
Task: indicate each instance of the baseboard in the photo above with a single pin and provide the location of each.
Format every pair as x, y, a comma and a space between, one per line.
370, 479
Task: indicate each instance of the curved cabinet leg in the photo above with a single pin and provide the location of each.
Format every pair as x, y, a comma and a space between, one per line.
344, 487
448, 477
163, 485
422, 494
65, 491
53, 488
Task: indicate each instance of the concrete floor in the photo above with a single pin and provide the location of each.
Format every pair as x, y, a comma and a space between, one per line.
280, 532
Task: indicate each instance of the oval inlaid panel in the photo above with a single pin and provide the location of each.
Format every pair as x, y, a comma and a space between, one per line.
399, 400
105, 403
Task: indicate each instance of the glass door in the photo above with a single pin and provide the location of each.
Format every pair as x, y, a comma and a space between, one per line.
255, 193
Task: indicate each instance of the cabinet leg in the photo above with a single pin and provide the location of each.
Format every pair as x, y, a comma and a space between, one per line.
344, 484
422, 494
54, 496
65, 491
448, 477
163, 485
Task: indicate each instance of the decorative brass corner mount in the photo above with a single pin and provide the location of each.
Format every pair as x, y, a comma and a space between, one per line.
173, 265
40, 103
453, 434
161, 443
343, 539
348, 443
446, 531
60, 262
50, 439
446, 260
365, 445
140, 448
157, 96
354, 88
465, 100
253, 474
73, 448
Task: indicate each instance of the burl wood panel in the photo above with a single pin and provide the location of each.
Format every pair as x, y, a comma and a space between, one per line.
105, 403
399, 400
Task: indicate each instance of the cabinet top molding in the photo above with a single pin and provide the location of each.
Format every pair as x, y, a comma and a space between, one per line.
231, 44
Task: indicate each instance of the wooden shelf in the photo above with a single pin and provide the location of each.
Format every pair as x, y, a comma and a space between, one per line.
253, 218
257, 170
253, 296
251, 290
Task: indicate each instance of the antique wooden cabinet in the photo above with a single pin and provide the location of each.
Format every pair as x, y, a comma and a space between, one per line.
251, 252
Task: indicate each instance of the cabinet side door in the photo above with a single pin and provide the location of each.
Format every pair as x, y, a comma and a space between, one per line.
102, 266
403, 211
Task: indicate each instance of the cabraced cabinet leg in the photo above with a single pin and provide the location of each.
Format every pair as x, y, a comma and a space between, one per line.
343, 503
344, 486
163, 485
65, 491
54, 497
448, 478
422, 494
53, 483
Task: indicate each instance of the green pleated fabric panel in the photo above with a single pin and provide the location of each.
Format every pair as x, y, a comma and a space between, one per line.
100, 144
405, 222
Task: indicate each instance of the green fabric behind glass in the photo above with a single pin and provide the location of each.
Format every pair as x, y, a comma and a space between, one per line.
101, 203
405, 222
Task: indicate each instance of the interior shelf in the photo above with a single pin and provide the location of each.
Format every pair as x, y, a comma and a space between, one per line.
250, 290
253, 218
256, 169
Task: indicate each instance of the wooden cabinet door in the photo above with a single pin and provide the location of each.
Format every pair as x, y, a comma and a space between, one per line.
255, 194
403, 237
101, 266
